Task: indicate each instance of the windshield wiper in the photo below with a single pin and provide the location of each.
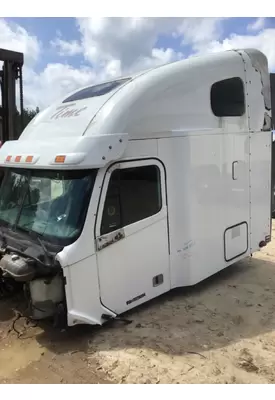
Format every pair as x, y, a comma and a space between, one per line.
25, 191
3, 237
38, 237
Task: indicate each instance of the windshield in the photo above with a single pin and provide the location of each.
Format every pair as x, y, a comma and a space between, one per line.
52, 204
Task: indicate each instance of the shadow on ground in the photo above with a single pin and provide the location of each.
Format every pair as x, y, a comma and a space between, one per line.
236, 303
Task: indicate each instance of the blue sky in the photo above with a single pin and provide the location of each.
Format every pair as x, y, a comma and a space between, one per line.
46, 29
64, 53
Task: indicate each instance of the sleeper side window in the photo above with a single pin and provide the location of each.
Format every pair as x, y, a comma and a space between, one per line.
133, 194
227, 98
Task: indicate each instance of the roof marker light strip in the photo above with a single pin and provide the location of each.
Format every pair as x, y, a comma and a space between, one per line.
20, 159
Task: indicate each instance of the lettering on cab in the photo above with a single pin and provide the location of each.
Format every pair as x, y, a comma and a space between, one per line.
67, 112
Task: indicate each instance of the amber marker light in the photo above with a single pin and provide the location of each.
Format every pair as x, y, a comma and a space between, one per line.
60, 159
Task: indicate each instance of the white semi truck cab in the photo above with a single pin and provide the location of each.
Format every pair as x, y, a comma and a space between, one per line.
124, 190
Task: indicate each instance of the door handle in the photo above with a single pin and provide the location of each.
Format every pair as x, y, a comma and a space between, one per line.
110, 238
234, 175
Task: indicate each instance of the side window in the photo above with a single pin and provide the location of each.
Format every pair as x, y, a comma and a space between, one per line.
133, 194
227, 98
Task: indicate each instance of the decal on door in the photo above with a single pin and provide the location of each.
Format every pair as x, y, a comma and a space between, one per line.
110, 238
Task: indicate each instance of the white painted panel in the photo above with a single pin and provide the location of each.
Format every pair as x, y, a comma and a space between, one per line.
260, 149
82, 293
203, 200
127, 268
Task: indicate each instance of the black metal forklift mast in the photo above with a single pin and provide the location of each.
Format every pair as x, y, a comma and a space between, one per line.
11, 72
272, 89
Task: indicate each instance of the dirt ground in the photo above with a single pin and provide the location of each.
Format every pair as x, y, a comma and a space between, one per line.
221, 331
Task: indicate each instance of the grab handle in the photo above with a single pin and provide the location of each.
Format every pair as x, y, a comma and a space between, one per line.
234, 174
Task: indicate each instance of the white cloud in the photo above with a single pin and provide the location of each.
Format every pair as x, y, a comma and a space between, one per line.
127, 40
65, 48
116, 46
112, 46
55, 81
199, 30
263, 41
257, 25
14, 37
40, 89
113, 68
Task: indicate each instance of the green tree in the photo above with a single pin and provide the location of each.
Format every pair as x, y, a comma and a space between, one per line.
28, 115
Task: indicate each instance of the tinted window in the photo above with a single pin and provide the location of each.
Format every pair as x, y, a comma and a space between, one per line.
133, 194
227, 98
94, 91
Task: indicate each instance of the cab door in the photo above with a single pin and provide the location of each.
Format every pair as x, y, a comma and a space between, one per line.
132, 235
